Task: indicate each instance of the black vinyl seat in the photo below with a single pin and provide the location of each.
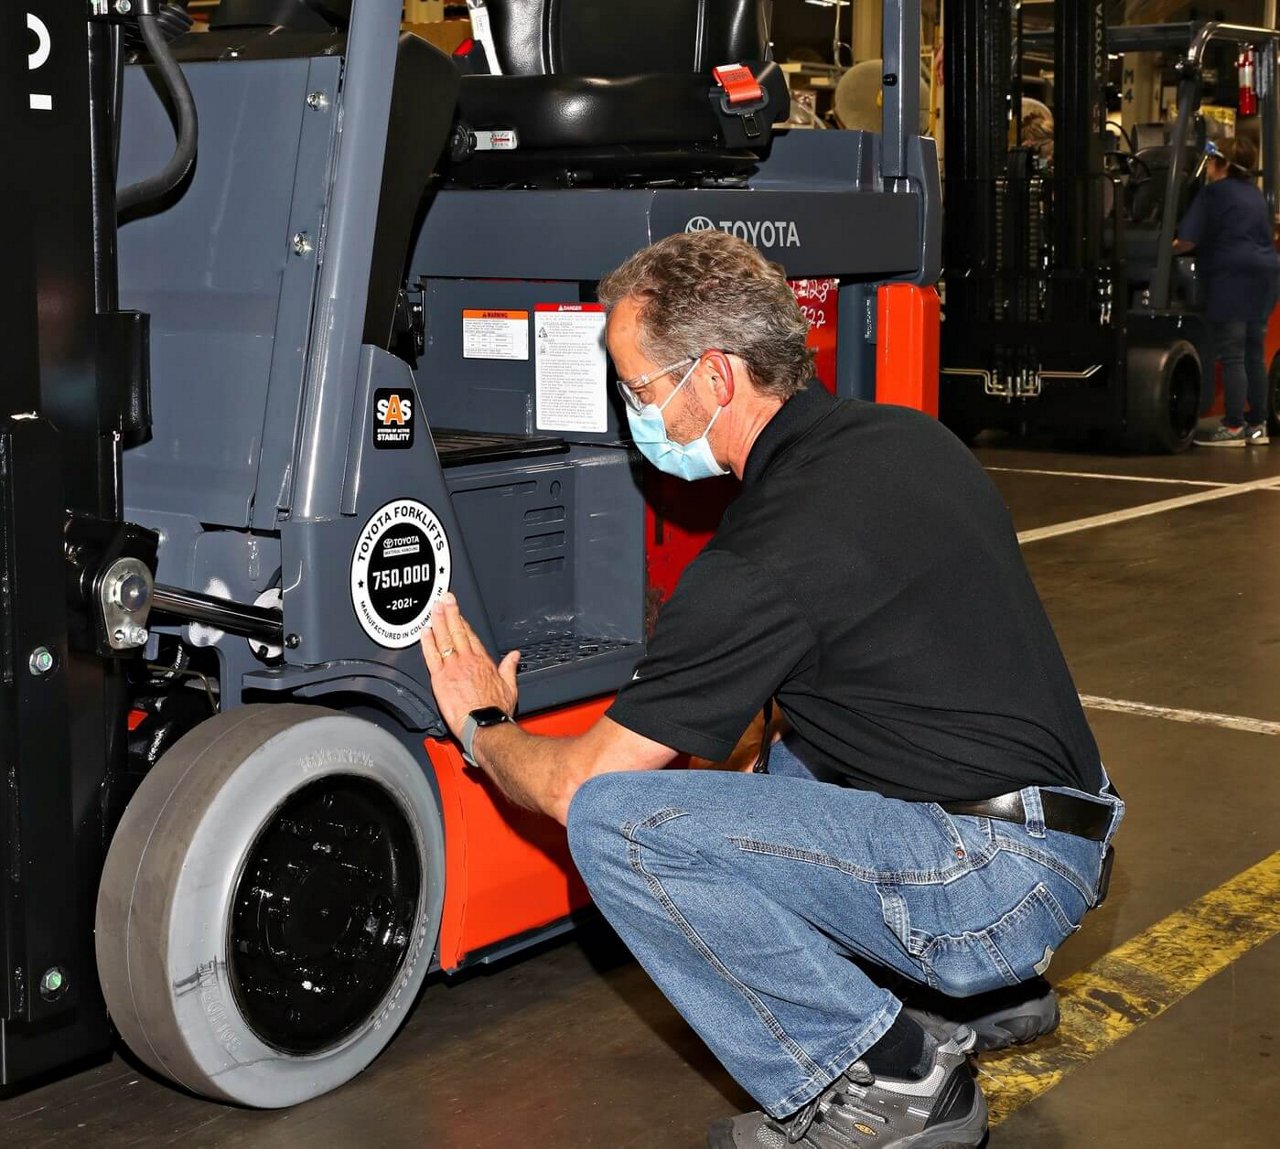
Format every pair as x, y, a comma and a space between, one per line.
614, 85
1150, 173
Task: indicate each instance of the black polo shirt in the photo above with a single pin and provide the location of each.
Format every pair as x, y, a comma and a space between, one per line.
868, 577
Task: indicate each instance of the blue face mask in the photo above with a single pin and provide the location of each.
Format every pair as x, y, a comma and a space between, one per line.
689, 461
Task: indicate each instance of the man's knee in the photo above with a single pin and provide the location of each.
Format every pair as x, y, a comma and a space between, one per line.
598, 816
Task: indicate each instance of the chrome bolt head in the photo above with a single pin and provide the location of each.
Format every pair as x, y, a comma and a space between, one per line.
301, 243
134, 593
41, 661
53, 983
124, 7
317, 101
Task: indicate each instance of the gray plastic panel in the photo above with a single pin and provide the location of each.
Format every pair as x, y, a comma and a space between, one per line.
559, 553
582, 234
489, 394
865, 234
317, 145
603, 549
318, 552
820, 161
211, 269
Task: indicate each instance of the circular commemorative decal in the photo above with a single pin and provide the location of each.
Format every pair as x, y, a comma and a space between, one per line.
399, 571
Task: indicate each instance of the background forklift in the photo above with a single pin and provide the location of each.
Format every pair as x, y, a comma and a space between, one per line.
320, 359
1065, 307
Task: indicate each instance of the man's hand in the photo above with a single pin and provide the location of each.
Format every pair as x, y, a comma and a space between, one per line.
463, 676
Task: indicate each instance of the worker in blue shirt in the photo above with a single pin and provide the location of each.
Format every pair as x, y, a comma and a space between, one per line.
1229, 227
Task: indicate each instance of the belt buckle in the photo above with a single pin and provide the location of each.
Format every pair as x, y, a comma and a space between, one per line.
1104, 879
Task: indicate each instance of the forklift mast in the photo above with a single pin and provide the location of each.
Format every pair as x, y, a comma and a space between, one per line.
66, 353
1029, 286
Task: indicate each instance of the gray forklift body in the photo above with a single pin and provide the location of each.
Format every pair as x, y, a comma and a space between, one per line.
264, 469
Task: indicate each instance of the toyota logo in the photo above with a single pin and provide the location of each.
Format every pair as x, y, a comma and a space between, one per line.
700, 223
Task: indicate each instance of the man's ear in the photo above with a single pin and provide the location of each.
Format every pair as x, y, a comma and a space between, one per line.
721, 376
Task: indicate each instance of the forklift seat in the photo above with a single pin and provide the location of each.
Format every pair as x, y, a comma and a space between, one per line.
1146, 201
605, 85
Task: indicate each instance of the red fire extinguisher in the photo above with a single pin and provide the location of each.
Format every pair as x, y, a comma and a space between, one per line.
1248, 98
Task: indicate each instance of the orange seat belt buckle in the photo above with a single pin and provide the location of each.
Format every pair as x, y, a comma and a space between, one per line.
739, 84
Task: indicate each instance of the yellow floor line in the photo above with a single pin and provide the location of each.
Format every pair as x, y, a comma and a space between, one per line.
1139, 981
1195, 717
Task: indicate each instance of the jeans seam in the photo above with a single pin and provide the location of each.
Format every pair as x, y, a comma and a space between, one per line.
1065, 872
817, 1082
660, 895
873, 877
1040, 895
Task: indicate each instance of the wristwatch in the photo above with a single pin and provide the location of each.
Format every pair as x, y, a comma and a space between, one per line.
476, 720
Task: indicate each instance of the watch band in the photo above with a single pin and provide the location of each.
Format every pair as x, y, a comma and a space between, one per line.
468, 738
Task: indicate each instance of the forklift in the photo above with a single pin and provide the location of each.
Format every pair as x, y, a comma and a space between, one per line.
1066, 309
300, 333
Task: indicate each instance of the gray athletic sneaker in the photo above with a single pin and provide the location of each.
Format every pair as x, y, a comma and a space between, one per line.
943, 1110
1221, 436
1000, 1019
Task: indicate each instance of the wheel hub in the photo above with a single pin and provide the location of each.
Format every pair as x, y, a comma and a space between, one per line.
323, 914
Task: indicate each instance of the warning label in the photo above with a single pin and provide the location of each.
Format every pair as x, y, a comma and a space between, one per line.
399, 571
570, 368
393, 418
495, 335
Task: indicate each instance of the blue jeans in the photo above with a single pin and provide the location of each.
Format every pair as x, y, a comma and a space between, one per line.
744, 896
1239, 345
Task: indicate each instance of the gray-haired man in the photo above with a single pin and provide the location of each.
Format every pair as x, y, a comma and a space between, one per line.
937, 809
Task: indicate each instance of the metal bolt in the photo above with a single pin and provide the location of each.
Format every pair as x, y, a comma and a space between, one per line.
134, 593
301, 243
41, 661
317, 101
292, 641
124, 7
136, 635
53, 983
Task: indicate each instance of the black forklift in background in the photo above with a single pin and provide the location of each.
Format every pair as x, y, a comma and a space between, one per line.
1065, 308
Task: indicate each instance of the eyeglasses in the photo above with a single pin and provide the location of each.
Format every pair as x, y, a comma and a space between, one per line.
627, 388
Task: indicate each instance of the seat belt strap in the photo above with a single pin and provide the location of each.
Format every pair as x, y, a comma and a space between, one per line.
483, 33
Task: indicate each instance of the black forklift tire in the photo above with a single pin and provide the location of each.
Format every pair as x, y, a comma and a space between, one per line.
270, 903
1273, 397
1162, 399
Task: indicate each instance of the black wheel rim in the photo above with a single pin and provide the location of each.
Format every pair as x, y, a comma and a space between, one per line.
1184, 399
323, 914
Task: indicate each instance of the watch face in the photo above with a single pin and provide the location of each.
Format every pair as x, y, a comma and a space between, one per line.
489, 716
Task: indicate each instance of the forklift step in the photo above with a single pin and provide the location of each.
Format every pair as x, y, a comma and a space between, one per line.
564, 648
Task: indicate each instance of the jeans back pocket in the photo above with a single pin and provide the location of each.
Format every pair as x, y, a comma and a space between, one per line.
1012, 949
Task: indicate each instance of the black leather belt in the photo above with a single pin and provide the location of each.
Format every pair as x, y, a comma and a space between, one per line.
1062, 812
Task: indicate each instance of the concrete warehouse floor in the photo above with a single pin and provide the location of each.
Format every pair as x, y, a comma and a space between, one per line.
572, 1046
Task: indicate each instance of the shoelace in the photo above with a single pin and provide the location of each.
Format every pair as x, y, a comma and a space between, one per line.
859, 1077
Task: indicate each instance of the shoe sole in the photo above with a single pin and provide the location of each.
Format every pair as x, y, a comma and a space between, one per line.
1004, 1032
1002, 1029
1220, 442
967, 1132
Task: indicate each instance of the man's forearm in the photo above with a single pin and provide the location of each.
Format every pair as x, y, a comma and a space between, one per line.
535, 772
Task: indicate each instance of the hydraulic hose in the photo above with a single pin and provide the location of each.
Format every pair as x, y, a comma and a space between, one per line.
184, 153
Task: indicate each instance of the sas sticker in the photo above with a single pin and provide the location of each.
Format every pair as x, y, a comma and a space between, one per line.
399, 571
393, 418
